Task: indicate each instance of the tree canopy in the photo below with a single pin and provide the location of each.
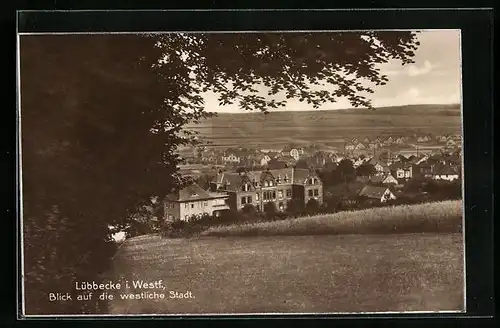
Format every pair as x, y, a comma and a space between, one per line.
311, 67
103, 115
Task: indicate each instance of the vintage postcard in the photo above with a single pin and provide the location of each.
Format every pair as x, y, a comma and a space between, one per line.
229, 173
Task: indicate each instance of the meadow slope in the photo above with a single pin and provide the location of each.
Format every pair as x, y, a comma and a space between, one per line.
295, 274
435, 217
306, 265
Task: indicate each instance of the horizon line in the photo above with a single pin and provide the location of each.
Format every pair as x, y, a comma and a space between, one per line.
339, 109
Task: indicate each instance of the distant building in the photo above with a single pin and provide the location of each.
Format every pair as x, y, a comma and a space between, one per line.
193, 200
230, 158
450, 143
272, 185
359, 145
384, 179
379, 194
263, 159
400, 140
292, 152
350, 146
402, 171
445, 173
388, 141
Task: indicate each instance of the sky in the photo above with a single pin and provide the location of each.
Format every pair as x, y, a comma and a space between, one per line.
434, 78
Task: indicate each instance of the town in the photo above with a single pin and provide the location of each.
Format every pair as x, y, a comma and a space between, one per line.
361, 172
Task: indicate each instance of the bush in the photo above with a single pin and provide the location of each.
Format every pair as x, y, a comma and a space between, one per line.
249, 209
312, 206
270, 209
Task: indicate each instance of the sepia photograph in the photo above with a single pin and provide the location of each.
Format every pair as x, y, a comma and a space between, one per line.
241, 173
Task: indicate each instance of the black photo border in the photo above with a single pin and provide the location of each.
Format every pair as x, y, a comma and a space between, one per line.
476, 27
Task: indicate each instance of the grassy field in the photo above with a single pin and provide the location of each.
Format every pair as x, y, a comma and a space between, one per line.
434, 217
280, 128
296, 274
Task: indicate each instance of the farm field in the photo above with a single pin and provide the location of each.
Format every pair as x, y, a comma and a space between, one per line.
279, 128
296, 274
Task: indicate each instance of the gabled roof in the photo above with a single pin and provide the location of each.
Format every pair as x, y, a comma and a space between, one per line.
286, 158
444, 170
231, 180
192, 192
373, 191
377, 178
272, 154
300, 175
276, 164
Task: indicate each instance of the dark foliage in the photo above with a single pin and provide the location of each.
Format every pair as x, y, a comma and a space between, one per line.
312, 206
270, 209
249, 209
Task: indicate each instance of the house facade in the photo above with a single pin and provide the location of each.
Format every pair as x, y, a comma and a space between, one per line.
292, 152
402, 171
230, 158
193, 200
272, 185
445, 173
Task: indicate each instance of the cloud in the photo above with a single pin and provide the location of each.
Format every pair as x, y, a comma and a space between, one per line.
414, 70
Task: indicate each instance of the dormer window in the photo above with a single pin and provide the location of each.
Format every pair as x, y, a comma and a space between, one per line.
286, 178
245, 187
266, 183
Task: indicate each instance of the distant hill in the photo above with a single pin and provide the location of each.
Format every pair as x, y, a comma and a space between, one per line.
255, 128
437, 109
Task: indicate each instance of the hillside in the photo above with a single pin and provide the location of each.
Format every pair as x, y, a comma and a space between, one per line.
278, 128
298, 274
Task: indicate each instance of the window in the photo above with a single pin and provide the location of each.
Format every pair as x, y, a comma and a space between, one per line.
280, 193
186, 205
245, 187
286, 178
288, 193
316, 192
192, 205
310, 193
249, 199
257, 197
270, 183
258, 208
243, 200
268, 195
205, 204
278, 179
266, 183
281, 206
